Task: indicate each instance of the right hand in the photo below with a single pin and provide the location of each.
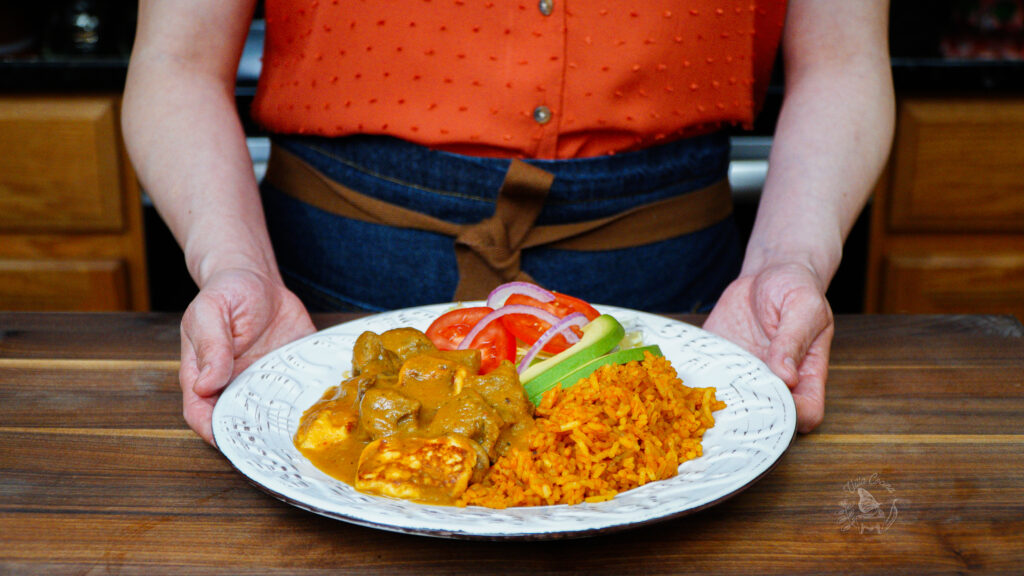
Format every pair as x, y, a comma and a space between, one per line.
237, 317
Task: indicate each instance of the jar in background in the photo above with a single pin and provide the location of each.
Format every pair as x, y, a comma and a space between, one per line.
81, 27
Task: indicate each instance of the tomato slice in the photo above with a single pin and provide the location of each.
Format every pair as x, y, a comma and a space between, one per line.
494, 342
529, 329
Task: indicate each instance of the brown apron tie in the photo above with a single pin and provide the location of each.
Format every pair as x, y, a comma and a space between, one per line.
488, 252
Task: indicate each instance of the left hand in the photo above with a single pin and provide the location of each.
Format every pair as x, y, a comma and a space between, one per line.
780, 314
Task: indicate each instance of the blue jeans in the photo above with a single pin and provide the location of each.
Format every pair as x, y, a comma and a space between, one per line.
338, 264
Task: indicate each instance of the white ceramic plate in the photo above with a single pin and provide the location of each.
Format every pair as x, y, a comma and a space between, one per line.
256, 417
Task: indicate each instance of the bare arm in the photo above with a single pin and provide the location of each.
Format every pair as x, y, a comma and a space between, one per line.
831, 142
187, 144
184, 134
833, 135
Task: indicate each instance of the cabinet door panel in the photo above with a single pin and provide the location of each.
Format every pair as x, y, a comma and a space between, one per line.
938, 283
59, 164
958, 166
78, 285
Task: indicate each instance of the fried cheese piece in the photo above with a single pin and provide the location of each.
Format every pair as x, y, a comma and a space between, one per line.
433, 470
326, 424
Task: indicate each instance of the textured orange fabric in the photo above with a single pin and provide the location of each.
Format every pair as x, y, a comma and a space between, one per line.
468, 76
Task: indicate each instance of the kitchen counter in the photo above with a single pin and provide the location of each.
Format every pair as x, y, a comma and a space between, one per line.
99, 474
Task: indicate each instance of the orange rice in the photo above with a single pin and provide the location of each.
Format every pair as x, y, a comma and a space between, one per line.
624, 426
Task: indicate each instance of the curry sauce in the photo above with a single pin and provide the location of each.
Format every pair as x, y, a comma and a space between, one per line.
413, 421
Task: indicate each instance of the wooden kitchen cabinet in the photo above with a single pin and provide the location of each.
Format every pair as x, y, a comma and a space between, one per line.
947, 222
71, 234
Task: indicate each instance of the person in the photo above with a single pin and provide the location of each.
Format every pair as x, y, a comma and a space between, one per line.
349, 91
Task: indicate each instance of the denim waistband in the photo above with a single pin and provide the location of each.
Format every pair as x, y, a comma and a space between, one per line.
463, 189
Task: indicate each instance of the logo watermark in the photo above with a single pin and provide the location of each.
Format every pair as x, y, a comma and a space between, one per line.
869, 506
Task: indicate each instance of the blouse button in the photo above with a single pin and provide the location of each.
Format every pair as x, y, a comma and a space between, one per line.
546, 7
542, 114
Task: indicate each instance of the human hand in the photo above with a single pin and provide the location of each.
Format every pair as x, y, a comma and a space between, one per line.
236, 318
781, 315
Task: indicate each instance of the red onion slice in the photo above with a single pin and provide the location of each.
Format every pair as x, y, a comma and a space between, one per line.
503, 311
563, 326
496, 299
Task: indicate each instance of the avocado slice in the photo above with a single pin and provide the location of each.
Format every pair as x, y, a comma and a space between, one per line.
617, 357
600, 336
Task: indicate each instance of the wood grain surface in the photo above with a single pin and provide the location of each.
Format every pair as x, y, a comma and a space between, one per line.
100, 475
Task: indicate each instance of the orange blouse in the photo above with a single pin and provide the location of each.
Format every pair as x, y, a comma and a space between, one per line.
525, 78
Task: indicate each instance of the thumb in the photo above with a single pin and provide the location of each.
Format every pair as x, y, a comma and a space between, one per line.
799, 326
208, 332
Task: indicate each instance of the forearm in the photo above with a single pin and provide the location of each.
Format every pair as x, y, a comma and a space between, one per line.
832, 141
190, 154
188, 147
